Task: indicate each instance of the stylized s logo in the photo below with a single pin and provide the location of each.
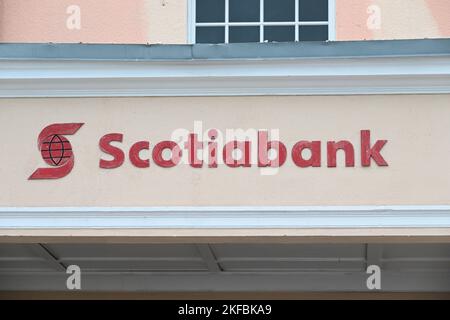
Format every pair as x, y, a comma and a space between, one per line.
56, 150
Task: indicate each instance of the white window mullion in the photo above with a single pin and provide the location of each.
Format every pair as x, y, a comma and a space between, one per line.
227, 21
261, 20
256, 24
313, 23
331, 20
297, 27
192, 21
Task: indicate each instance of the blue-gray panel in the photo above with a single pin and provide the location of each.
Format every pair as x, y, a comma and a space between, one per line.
315, 49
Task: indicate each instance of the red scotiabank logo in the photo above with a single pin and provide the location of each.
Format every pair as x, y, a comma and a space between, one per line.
56, 151
216, 148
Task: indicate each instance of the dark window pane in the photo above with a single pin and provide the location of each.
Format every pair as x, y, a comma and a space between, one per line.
243, 34
244, 10
210, 10
279, 33
313, 33
279, 10
210, 35
313, 10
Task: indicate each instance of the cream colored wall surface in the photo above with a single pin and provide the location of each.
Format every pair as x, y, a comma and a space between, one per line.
418, 151
167, 21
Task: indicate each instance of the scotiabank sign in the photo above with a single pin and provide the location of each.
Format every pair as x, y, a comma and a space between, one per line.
225, 151
254, 148
238, 153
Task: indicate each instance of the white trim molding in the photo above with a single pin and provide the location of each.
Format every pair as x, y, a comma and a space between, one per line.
229, 77
328, 217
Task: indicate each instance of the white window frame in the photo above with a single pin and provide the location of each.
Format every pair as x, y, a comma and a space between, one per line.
192, 24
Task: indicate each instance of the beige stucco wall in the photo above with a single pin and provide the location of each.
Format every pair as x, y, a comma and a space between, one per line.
165, 21
417, 128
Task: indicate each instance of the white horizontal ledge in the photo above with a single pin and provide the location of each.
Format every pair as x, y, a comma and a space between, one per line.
227, 217
293, 76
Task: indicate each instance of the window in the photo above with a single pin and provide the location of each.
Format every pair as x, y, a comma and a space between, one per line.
234, 21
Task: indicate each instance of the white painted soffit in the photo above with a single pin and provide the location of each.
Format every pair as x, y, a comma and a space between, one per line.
226, 217
285, 76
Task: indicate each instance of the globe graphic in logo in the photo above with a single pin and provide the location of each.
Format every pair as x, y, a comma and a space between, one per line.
56, 150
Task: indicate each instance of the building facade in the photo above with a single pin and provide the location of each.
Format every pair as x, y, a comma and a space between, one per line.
221, 148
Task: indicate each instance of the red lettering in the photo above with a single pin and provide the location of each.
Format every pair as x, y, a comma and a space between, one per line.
314, 159
244, 160
116, 153
212, 149
263, 151
368, 153
175, 157
193, 145
333, 147
134, 154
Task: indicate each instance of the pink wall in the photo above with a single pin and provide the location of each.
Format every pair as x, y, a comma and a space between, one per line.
351, 20
398, 19
441, 12
149, 21
115, 21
